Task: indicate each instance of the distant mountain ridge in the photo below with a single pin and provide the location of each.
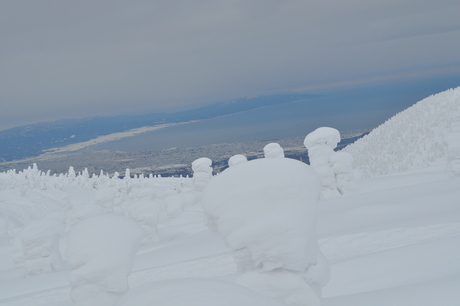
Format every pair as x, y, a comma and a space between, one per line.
32, 140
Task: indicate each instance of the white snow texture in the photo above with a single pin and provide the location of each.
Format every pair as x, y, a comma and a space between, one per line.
414, 138
266, 211
393, 240
100, 251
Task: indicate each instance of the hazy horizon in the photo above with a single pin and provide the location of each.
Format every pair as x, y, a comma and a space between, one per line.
80, 59
345, 108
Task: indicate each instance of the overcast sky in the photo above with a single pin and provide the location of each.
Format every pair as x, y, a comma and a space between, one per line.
61, 59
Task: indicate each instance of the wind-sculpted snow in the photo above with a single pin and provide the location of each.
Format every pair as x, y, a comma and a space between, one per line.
266, 211
100, 252
334, 168
414, 138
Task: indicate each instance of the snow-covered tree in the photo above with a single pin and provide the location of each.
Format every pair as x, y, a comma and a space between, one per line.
236, 160
266, 211
320, 145
100, 252
411, 139
202, 172
273, 150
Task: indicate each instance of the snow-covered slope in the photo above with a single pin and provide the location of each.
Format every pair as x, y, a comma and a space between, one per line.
394, 240
411, 139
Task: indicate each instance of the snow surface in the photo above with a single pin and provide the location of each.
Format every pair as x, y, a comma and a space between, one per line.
101, 252
195, 292
393, 240
266, 211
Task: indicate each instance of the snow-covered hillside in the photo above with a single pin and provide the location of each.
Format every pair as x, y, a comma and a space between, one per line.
392, 240
414, 138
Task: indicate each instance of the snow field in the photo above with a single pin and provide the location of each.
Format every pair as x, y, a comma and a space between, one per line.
394, 239
388, 243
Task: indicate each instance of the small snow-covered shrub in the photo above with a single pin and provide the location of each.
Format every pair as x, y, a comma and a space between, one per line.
202, 172
273, 150
100, 252
266, 211
236, 160
320, 145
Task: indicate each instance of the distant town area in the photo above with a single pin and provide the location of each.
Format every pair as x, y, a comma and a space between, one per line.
170, 162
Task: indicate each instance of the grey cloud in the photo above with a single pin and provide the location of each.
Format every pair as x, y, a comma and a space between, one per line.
80, 58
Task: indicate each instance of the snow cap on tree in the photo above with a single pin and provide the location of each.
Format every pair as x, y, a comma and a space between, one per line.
273, 150
323, 136
236, 160
202, 164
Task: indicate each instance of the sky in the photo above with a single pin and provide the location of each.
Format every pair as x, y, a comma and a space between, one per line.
73, 59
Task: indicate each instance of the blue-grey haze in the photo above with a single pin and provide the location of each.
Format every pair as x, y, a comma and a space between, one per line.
346, 108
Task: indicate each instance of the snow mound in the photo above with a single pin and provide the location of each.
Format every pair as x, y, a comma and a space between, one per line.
267, 207
101, 251
40, 245
413, 138
266, 211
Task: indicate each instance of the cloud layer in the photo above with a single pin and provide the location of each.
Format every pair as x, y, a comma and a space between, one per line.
81, 58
